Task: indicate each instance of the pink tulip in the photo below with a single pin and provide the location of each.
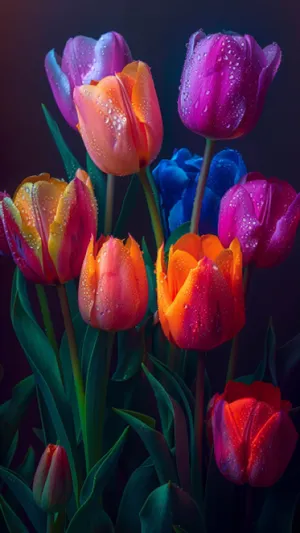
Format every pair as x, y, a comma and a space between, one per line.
84, 60
264, 216
224, 83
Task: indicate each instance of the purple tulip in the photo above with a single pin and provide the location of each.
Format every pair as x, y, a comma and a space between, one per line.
264, 215
224, 82
84, 60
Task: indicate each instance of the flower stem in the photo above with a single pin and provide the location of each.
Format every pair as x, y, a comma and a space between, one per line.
78, 381
104, 385
110, 185
208, 152
50, 523
232, 365
151, 197
198, 427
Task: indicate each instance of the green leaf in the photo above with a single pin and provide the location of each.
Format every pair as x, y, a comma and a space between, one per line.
156, 445
43, 363
70, 162
12, 521
156, 514
164, 405
152, 304
89, 344
278, 512
130, 354
181, 447
48, 433
128, 205
98, 180
26, 469
95, 396
25, 498
72, 297
168, 505
90, 515
179, 529
176, 234
141, 483
11, 451
12, 412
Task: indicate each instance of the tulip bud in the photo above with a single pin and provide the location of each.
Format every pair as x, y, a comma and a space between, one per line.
224, 82
52, 483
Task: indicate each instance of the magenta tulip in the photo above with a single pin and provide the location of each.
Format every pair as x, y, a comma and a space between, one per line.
224, 83
84, 60
264, 216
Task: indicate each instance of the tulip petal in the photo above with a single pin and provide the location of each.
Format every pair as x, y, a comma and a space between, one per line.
171, 181
140, 275
229, 448
71, 230
24, 244
200, 317
180, 264
78, 56
105, 128
211, 246
87, 283
271, 450
61, 88
163, 295
4, 247
226, 169
190, 243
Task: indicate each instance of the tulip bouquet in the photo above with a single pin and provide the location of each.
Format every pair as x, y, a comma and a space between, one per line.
132, 438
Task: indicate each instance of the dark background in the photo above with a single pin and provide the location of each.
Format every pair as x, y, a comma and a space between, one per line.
156, 31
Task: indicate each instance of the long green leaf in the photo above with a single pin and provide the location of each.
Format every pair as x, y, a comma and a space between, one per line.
11, 451
156, 445
152, 303
27, 467
25, 498
90, 515
12, 521
278, 512
43, 363
130, 354
141, 483
70, 162
156, 514
130, 199
98, 180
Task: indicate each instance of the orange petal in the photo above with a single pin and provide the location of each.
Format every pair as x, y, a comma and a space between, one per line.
140, 273
105, 127
190, 243
163, 295
180, 264
87, 283
211, 246
117, 299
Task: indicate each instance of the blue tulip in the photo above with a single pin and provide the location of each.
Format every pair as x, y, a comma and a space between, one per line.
177, 178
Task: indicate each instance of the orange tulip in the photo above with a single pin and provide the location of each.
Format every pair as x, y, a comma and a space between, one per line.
200, 294
120, 120
113, 287
48, 225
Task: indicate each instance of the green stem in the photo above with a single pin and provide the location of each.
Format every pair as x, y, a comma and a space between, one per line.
232, 365
208, 153
78, 381
151, 197
110, 185
48, 325
50, 523
104, 383
198, 427
172, 358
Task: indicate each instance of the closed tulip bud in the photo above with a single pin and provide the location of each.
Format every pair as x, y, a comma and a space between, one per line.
224, 83
200, 293
48, 225
264, 215
4, 248
84, 60
113, 287
52, 483
120, 120
253, 434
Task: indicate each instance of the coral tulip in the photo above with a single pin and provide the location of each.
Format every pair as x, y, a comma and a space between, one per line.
254, 437
52, 483
4, 248
120, 120
113, 287
224, 83
84, 60
264, 215
48, 225
200, 294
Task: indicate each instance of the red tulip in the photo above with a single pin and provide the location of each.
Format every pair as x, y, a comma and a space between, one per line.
264, 215
52, 484
254, 437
